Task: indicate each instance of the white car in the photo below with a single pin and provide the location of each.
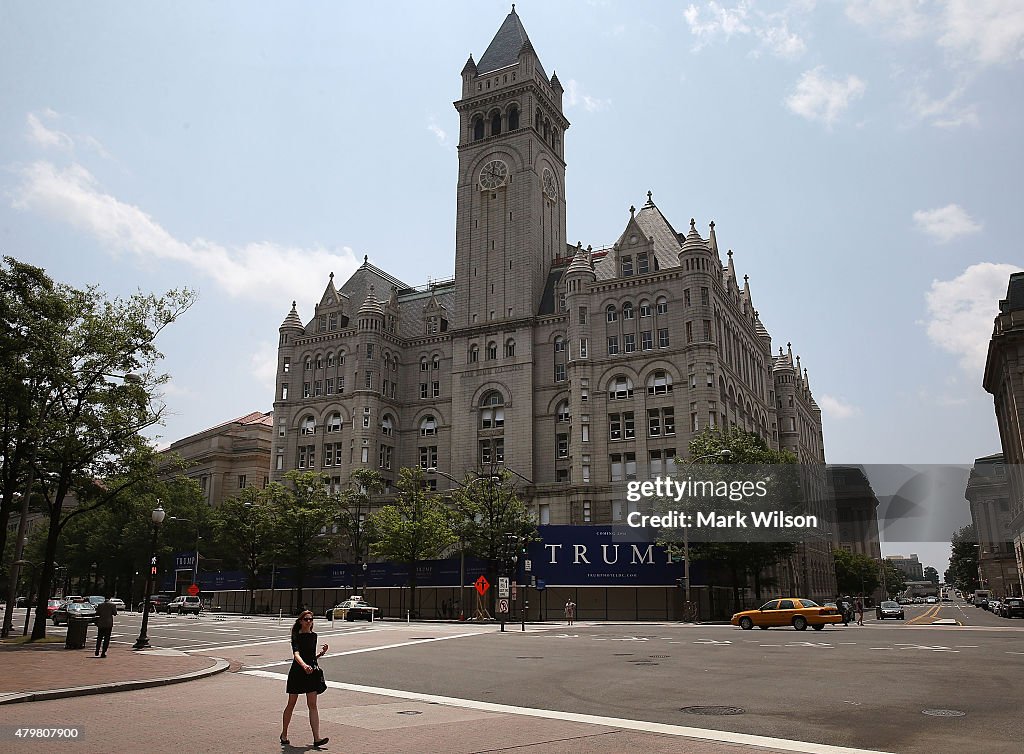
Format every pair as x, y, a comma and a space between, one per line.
119, 604
185, 604
932, 600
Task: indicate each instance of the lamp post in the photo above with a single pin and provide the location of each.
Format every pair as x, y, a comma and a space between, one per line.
725, 454
158, 518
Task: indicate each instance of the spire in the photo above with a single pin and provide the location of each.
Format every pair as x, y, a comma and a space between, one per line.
292, 320
730, 267
508, 44
650, 200
470, 67
712, 239
789, 353
807, 384
582, 262
371, 306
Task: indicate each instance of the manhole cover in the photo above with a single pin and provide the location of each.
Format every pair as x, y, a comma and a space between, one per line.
943, 712
409, 712
712, 710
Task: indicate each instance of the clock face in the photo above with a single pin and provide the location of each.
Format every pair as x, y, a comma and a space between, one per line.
550, 187
494, 174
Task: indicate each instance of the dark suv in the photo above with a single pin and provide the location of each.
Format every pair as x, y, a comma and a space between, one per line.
1012, 607
157, 603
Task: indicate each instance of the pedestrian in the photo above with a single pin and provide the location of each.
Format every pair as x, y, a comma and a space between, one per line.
860, 610
105, 612
570, 611
304, 676
444, 609
841, 606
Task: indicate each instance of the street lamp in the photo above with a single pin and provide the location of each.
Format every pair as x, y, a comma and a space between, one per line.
725, 455
158, 518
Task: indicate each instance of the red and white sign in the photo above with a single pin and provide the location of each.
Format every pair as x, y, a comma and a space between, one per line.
193, 590
503, 605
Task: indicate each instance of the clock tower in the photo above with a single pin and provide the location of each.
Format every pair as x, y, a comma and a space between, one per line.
510, 221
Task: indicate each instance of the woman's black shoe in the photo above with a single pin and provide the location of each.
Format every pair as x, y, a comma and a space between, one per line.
285, 741
321, 742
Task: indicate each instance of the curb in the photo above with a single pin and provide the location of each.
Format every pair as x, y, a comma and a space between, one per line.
219, 666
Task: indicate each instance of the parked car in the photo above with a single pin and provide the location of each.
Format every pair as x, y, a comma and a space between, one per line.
993, 606
351, 609
1012, 607
73, 598
157, 603
905, 601
185, 604
931, 600
889, 609
96, 599
21, 602
52, 605
73, 610
797, 612
118, 603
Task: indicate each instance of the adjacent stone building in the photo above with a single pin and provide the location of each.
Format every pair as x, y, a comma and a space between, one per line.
856, 511
989, 495
1004, 379
577, 368
908, 565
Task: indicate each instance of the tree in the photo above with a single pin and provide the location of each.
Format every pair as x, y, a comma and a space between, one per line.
415, 527
302, 513
243, 529
735, 457
931, 574
895, 579
100, 393
963, 559
856, 573
355, 507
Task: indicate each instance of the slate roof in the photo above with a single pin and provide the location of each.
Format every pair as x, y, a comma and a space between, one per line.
411, 306
504, 49
358, 286
1014, 300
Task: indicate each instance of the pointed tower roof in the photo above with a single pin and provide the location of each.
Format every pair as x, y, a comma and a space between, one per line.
371, 305
504, 49
581, 262
292, 320
693, 240
470, 66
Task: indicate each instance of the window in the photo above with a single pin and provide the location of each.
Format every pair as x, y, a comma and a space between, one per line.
369, 352
385, 456
645, 309
614, 426
713, 415
707, 330
627, 311
668, 420
620, 388
586, 511
661, 421
492, 413
341, 357
643, 265
286, 365
241, 481
424, 366
308, 364
474, 354
321, 323
610, 314
585, 423
586, 468
628, 427
630, 463
281, 431
435, 389
423, 390
583, 315
613, 345
492, 350
705, 296
365, 456
663, 337
616, 467
436, 362
562, 445
559, 345
510, 348
428, 427
329, 386
630, 342
333, 423
307, 456
562, 412
689, 332
710, 370
368, 380
428, 457
280, 461
659, 383
584, 348
366, 416
616, 510
544, 513
656, 463
627, 266
653, 422
662, 305
306, 389
646, 340
686, 298
670, 461
478, 128
307, 426
318, 387
694, 423
559, 372
387, 427
492, 451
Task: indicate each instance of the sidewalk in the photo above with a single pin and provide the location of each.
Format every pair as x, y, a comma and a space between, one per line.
48, 671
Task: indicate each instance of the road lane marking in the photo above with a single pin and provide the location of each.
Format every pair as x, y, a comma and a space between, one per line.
665, 729
411, 643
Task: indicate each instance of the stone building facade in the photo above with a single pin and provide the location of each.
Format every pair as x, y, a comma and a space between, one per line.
228, 457
988, 493
577, 368
1004, 379
856, 511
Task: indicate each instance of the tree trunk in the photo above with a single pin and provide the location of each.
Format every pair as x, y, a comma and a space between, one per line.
52, 536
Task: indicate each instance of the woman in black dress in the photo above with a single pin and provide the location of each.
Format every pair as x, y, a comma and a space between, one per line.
301, 679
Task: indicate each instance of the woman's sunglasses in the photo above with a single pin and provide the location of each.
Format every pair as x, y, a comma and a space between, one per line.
305, 619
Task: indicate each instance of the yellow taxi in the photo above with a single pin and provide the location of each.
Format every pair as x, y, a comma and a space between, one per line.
788, 611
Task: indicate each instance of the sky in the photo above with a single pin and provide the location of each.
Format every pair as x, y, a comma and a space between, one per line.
862, 159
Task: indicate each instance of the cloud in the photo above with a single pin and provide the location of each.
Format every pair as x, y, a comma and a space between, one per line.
575, 97
946, 223
439, 133
45, 137
817, 97
946, 112
961, 310
260, 271
984, 32
904, 19
263, 364
714, 23
837, 408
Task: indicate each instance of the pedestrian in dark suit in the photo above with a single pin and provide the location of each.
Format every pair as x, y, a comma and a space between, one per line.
105, 612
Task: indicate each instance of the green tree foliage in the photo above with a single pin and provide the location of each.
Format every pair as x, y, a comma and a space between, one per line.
355, 507
243, 529
963, 559
895, 580
931, 574
415, 527
856, 573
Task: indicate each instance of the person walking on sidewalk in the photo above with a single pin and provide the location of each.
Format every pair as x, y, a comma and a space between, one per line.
570, 611
860, 610
304, 676
105, 612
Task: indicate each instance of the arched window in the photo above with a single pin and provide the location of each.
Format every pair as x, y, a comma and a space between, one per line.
662, 305
436, 363
620, 388
659, 383
547, 129
387, 426
537, 120
308, 426
492, 350
428, 427
478, 128
474, 354
645, 309
562, 412
341, 357
627, 310
510, 348
513, 118
424, 364
492, 411
309, 363
559, 344
333, 423
495, 124
611, 314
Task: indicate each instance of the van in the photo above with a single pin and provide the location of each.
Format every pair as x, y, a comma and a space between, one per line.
981, 597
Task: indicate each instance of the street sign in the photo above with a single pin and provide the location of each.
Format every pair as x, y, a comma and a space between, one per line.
503, 586
503, 605
193, 590
528, 565
482, 585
